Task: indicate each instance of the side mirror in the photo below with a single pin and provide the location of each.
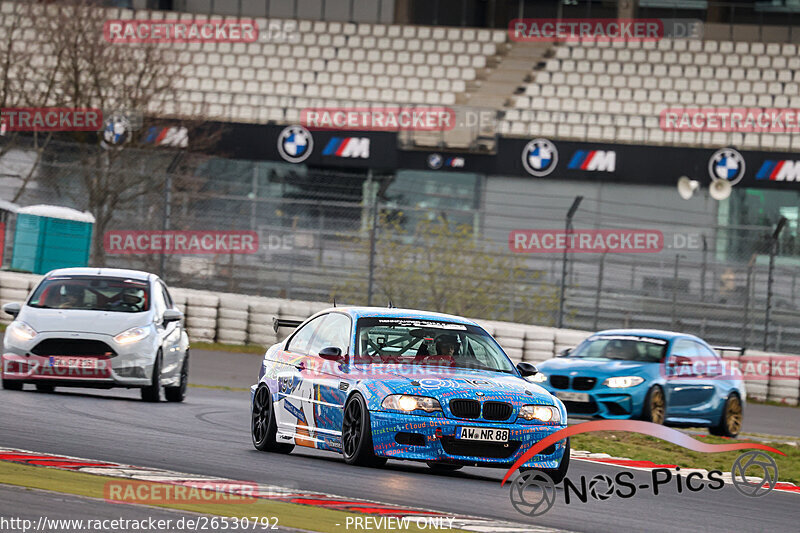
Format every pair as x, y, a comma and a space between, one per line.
172, 315
527, 369
12, 308
565, 352
331, 353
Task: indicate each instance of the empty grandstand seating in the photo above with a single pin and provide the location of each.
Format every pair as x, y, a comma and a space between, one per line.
614, 92
594, 91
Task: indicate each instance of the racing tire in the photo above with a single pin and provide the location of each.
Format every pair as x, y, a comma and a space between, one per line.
152, 393
655, 406
556, 474
9, 384
357, 447
263, 427
730, 422
443, 467
45, 387
177, 394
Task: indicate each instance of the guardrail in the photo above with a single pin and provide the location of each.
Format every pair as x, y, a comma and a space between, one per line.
241, 319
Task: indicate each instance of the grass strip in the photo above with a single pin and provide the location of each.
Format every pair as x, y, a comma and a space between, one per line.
234, 348
289, 515
646, 448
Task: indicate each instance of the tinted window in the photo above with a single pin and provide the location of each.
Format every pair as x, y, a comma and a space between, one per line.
300, 340
334, 331
685, 348
92, 293
622, 347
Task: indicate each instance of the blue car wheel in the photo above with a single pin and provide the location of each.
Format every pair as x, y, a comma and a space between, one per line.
655, 406
730, 421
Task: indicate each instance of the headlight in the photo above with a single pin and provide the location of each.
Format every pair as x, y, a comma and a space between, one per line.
131, 335
545, 413
537, 378
408, 403
622, 382
21, 331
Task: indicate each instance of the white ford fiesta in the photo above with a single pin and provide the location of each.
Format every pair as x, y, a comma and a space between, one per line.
100, 328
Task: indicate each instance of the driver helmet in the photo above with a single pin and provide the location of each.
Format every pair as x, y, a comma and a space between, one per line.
445, 340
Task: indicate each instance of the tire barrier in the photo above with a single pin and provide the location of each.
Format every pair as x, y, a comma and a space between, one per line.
241, 319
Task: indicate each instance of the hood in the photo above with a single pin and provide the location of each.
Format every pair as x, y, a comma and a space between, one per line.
444, 383
82, 321
592, 366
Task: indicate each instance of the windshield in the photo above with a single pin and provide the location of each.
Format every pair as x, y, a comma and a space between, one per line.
622, 347
429, 343
92, 293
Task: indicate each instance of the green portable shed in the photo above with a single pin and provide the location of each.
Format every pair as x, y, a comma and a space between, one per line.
48, 237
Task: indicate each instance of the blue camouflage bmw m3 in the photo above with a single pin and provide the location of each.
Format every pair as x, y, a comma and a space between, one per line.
375, 384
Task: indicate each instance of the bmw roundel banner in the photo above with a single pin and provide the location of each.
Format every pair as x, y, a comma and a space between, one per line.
299, 145
532, 158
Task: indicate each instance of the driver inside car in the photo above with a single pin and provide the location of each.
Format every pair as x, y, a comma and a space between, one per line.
445, 347
71, 298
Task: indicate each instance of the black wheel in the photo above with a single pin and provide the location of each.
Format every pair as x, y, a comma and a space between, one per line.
556, 474
45, 387
443, 467
151, 393
177, 394
9, 384
730, 423
655, 406
357, 434
263, 426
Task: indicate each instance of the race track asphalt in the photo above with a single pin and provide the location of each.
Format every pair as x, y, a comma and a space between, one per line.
209, 434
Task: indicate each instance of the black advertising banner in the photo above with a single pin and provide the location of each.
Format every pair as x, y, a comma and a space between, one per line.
544, 158
537, 158
296, 144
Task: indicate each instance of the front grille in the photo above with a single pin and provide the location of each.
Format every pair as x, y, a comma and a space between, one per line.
559, 382
465, 408
87, 347
491, 450
581, 408
497, 410
582, 383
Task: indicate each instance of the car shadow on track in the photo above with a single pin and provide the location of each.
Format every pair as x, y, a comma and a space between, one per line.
407, 467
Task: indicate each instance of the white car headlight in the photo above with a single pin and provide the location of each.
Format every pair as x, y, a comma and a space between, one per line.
131, 335
545, 413
537, 378
408, 403
21, 331
623, 382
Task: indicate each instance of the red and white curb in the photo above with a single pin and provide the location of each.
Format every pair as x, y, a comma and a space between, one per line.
407, 515
607, 459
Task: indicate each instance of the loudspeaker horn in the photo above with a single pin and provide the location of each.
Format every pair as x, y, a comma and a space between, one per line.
720, 189
687, 187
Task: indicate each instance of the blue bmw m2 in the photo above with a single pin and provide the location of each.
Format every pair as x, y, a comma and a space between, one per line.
375, 384
659, 376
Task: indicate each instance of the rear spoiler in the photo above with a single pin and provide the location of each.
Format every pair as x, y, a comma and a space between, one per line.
736, 349
284, 323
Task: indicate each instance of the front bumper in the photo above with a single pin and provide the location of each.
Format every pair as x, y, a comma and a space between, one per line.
620, 404
129, 366
432, 438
